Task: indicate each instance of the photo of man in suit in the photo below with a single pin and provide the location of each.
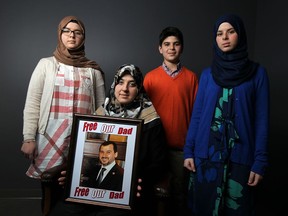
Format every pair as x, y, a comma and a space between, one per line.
108, 174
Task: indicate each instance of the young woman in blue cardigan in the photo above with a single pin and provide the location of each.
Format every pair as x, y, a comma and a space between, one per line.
226, 144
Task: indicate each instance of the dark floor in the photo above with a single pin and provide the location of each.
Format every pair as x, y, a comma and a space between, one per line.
20, 202
30, 206
28, 203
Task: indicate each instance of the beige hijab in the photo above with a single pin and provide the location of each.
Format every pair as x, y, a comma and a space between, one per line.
75, 57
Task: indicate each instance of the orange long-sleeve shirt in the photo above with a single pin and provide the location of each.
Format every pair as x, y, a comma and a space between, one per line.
173, 99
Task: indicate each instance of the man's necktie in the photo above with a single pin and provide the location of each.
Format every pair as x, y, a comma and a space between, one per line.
100, 177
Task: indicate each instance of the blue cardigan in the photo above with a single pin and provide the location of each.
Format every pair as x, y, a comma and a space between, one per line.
251, 120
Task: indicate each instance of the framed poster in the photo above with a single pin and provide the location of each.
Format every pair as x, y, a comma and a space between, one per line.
89, 132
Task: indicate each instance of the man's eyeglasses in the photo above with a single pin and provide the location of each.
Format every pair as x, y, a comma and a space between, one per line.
67, 31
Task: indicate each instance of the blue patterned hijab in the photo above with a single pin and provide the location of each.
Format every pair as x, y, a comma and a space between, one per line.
230, 69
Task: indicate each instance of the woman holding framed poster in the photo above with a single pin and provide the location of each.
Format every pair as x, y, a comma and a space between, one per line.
127, 99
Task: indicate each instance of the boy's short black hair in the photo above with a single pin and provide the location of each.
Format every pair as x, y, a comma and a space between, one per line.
171, 31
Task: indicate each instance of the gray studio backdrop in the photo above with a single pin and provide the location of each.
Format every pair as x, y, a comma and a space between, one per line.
126, 31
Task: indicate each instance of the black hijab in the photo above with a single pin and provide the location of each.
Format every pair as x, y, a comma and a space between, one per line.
230, 69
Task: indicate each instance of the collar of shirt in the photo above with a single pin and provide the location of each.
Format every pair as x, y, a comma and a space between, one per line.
108, 168
172, 73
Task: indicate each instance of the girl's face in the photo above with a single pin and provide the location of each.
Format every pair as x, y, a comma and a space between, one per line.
126, 90
72, 36
227, 37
